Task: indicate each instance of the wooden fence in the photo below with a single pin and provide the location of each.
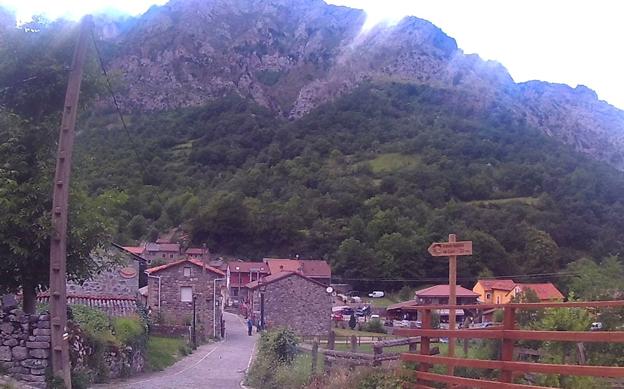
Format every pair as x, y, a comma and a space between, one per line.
353, 357
508, 335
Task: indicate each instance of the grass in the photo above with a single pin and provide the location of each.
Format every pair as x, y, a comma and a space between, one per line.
523, 200
390, 162
383, 302
349, 332
163, 352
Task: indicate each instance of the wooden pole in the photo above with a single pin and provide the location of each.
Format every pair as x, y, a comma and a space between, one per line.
452, 300
60, 206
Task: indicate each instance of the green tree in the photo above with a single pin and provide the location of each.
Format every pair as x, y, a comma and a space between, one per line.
26, 161
596, 281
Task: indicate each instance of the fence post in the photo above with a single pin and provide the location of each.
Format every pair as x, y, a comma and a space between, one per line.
509, 323
424, 340
353, 343
331, 343
377, 352
315, 346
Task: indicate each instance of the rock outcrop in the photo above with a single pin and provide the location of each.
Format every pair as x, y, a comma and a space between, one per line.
292, 55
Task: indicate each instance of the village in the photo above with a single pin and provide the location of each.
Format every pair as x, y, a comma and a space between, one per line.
298, 194
193, 295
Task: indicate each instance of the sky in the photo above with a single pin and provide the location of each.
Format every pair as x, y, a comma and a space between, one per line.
564, 41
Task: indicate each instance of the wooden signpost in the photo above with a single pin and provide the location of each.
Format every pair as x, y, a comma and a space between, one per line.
451, 249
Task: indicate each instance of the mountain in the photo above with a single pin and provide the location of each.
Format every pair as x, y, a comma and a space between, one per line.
278, 128
291, 56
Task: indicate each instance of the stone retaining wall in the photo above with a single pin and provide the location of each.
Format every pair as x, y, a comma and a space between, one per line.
25, 346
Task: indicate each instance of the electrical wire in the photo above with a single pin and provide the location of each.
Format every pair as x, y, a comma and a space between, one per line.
120, 114
442, 279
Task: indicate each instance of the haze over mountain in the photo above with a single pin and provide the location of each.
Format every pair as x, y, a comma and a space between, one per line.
292, 55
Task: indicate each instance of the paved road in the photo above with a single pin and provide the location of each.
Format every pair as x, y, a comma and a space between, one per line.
220, 365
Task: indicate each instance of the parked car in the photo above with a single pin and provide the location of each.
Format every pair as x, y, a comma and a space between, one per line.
374, 317
355, 299
376, 294
363, 311
596, 326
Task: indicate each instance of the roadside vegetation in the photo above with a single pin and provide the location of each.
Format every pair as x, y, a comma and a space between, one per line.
163, 352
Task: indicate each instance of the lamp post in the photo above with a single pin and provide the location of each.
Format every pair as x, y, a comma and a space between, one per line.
193, 334
214, 308
238, 296
262, 291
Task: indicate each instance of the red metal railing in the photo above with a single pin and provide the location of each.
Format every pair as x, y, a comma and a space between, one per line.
508, 335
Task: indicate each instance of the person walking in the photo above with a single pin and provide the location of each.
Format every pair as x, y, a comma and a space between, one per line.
249, 326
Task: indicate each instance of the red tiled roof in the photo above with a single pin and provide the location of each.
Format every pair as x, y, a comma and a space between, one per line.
189, 260
138, 250
444, 291
279, 265
545, 291
246, 267
278, 276
497, 284
403, 304
308, 267
316, 268
111, 305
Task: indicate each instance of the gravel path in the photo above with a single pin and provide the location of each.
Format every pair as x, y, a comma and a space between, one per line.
220, 365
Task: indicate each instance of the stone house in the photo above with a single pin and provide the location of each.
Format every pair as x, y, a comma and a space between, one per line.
292, 300
113, 291
173, 287
164, 251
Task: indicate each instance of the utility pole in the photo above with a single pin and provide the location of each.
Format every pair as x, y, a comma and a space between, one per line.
60, 205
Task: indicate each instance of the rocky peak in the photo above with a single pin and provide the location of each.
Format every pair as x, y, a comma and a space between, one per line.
293, 55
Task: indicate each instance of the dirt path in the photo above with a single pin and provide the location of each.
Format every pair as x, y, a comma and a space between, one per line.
219, 365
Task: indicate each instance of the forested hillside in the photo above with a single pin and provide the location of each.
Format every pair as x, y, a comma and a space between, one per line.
367, 181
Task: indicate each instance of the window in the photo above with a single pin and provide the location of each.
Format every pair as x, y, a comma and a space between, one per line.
234, 292
187, 271
488, 296
171, 256
186, 294
497, 299
163, 255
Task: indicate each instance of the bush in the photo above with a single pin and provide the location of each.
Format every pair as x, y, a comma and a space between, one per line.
274, 367
130, 331
375, 325
279, 345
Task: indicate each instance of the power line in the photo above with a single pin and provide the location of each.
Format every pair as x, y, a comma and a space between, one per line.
120, 114
437, 279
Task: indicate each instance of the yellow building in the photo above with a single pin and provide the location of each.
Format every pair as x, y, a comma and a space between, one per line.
495, 291
502, 291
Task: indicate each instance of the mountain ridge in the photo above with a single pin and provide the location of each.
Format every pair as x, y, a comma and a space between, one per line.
290, 56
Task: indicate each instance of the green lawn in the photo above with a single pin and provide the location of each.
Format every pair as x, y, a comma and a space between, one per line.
390, 162
163, 352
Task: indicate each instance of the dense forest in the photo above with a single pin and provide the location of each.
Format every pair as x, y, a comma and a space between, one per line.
367, 182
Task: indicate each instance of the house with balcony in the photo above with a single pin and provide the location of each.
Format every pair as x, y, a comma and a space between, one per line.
241, 273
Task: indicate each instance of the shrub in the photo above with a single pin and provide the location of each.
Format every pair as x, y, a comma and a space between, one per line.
279, 345
130, 331
375, 325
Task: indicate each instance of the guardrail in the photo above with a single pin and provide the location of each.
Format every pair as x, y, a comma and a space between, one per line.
508, 335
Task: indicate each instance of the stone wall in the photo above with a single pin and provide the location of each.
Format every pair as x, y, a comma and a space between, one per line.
296, 303
25, 346
171, 308
121, 281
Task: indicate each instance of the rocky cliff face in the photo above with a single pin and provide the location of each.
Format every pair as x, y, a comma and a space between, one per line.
293, 55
